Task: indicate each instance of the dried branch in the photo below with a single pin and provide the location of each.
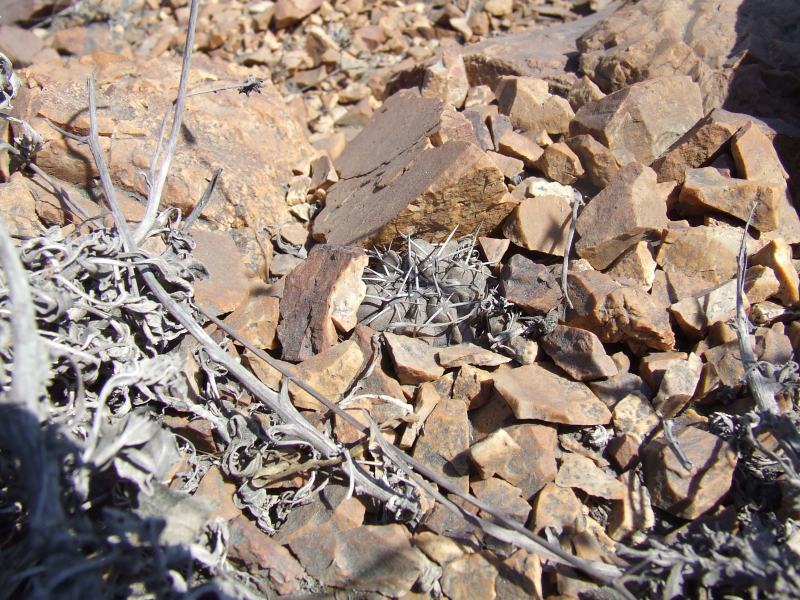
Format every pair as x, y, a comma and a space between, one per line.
156, 187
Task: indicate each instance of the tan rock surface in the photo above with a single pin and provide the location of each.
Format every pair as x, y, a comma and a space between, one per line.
491, 453
616, 313
641, 121
579, 472
636, 267
760, 283
443, 443
18, 206
695, 314
414, 359
331, 372
578, 352
503, 496
446, 79
392, 181
557, 507
227, 285
634, 415
321, 295
688, 494
519, 146
473, 386
469, 354
778, 256
560, 163
706, 190
470, 576
678, 386
540, 224
633, 512
256, 320
598, 161
631, 207
530, 105
132, 92
536, 393
584, 91
289, 12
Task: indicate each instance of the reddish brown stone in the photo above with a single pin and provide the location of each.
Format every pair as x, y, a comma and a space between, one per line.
598, 161
529, 285
578, 352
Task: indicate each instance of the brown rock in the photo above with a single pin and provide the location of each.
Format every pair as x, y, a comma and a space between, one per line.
446, 79
616, 313
443, 443
321, 295
612, 390
706, 252
503, 496
696, 147
633, 512
520, 577
469, 354
331, 372
755, 156
584, 91
453, 126
540, 224
631, 207
493, 249
777, 255
479, 94
519, 146
219, 493
688, 494
653, 366
438, 548
289, 12
529, 285
640, 122
511, 167
636, 267
470, 576
560, 163
624, 450
227, 286
578, 352
18, 206
491, 454
19, 45
498, 125
634, 415
557, 507
257, 321
255, 550
323, 173
480, 129
413, 359
392, 182
530, 105
579, 472
706, 189
129, 94
678, 386
760, 283
598, 161
354, 564
535, 465
473, 386
536, 393
695, 314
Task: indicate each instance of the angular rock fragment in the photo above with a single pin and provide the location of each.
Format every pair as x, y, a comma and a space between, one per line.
540, 224
533, 392
392, 182
755, 156
582, 92
689, 493
438, 548
636, 267
470, 576
579, 472
559, 163
446, 79
641, 121
511, 167
492, 452
219, 493
453, 126
469, 354
535, 464
530, 105
227, 285
634, 415
678, 386
331, 372
18, 206
442, 446
697, 146
503, 496
479, 94
653, 366
598, 161
633, 512
414, 359
556, 507
695, 314
760, 283
630, 208
323, 173
480, 129
519, 146
578, 352
427, 398
612, 390
320, 296
520, 576
499, 125
289, 12
529, 285
777, 255
494, 249
707, 190
473, 386
616, 313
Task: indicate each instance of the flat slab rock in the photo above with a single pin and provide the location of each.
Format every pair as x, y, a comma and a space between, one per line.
534, 392
393, 180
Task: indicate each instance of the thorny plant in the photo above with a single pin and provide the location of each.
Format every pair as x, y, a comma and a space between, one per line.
94, 347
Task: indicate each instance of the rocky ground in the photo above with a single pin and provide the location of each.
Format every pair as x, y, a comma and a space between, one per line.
486, 299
